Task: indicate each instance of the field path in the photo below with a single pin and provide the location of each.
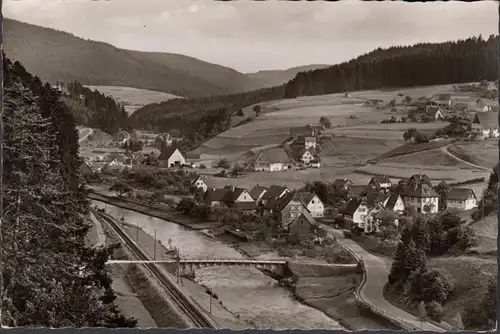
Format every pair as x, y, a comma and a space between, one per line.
446, 151
377, 273
88, 132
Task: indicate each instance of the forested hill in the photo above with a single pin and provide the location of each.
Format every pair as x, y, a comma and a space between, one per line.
271, 78
468, 60
59, 56
50, 277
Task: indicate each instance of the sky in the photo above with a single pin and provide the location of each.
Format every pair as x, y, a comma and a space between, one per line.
250, 36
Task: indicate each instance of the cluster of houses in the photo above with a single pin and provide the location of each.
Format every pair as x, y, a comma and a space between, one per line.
485, 122
278, 159
366, 206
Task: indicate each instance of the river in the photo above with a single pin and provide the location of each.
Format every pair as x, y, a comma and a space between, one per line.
247, 292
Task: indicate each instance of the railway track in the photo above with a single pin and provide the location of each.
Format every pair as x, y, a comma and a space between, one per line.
188, 307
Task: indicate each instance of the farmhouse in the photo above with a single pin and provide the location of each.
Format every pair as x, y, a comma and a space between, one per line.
302, 228
370, 224
442, 100
215, 197
313, 204
162, 140
172, 156
199, 183
150, 151
288, 208
380, 182
485, 124
272, 160
115, 165
420, 194
309, 142
483, 105
239, 198
316, 162
342, 184
307, 157
461, 198
394, 202
257, 192
356, 211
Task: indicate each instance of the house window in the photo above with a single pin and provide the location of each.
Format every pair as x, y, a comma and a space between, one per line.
312, 201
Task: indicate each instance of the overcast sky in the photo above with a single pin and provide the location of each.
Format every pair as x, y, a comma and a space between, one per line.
250, 36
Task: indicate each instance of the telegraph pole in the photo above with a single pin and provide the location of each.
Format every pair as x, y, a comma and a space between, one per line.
211, 293
154, 248
137, 232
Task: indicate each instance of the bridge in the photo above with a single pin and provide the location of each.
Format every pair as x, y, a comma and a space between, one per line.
190, 265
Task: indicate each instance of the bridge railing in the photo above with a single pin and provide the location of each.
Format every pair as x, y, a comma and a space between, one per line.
405, 325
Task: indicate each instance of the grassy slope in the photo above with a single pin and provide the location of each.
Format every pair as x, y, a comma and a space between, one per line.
482, 153
54, 55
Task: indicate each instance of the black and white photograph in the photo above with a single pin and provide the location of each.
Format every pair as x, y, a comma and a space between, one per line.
249, 165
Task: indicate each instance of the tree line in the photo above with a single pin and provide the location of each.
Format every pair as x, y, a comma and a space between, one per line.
50, 277
473, 59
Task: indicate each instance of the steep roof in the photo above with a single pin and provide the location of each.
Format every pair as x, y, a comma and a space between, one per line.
285, 200
307, 197
341, 182
460, 194
352, 206
273, 192
257, 190
166, 152
488, 120
378, 179
146, 150
233, 194
358, 191
420, 178
420, 190
310, 139
245, 206
307, 216
274, 155
391, 202
216, 195
387, 214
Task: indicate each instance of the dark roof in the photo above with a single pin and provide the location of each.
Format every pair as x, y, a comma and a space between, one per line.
233, 194
381, 179
488, 120
387, 214
85, 168
245, 205
216, 195
256, 191
393, 198
420, 178
352, 206
421, 190
274, 155
196, 178
307, 197
373, 198
460, 194
341, 182
273, 192
307, 216
310, 139
166, 152
358, 191
285, 200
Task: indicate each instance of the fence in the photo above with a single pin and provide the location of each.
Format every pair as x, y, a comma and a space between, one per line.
357, 295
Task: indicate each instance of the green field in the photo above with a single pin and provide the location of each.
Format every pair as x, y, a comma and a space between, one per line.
133, 98
482, 153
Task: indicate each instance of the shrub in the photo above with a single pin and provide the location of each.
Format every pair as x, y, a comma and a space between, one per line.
432, 285
348, 234
202, 166
435, 310
223, 163
240, 113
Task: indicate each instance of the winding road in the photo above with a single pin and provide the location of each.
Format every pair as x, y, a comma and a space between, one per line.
445, 150
376, 277
84, 133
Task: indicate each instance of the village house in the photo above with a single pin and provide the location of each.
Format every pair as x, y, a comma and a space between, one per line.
239, 198
384, 217
380, 182
442, 100
307, 157
356, 211
272, 160
115, 165
419, 194
87, 173
199, 183
394, 202
362, 191
370, 224
257, 192
302, 228
342, 184
215, 197
288, 208
461, 198
315, 163
431, 106
172, 157
313, 204
483, 105
273, 193
150, 151
485, 124
163, 140
310, 142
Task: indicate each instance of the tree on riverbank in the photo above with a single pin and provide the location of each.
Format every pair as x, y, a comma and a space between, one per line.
50, 277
